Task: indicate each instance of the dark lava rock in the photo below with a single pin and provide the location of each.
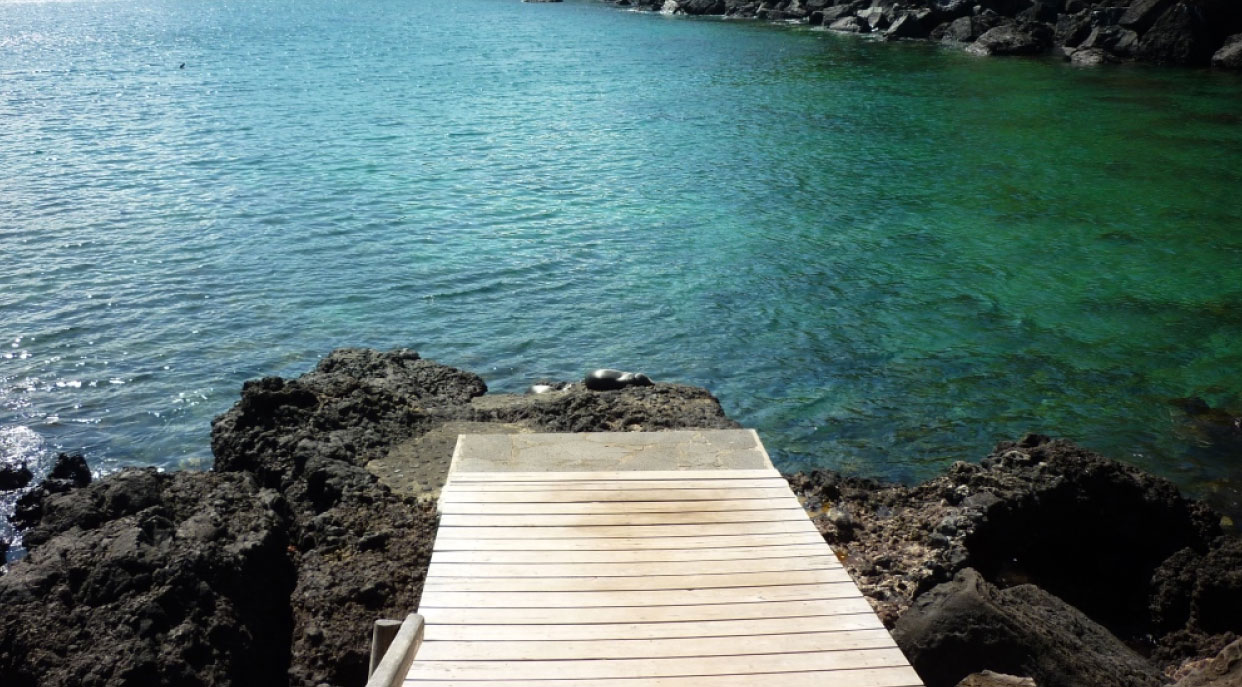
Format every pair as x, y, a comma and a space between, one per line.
1181, 35
1112, 39
968, 29
1197, 598
1089, 530
186, 585
967, 625
1008, 40
914, 24
850, 25
1141, 14
632, 409
1230, 54
1072, 29
14, 477
272, 568
1222, 670
701, 6
1090, 57
69, 472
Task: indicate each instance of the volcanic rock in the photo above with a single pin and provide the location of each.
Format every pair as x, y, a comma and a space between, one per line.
967, 625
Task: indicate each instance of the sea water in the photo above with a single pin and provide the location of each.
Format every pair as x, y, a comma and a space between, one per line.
883, 256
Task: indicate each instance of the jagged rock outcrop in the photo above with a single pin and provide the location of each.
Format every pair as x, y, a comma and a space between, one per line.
1121, 546
271, 568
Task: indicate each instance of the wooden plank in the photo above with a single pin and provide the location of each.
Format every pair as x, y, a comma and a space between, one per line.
724, 506
649, 614
617, 485
568, 495
464, 477
644, 556
657, 667
599, 531
535, 583
626, 543
580, 519
704, 628
641, 568
897, 676
653, 648
657, 597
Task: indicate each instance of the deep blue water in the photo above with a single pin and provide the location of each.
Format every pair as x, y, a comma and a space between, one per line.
885, 257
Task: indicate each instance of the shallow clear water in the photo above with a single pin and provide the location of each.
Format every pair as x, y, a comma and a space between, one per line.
885, 257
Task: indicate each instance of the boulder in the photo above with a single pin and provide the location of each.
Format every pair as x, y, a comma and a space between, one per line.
877, 18
967, 625
836, 12
1113, 39
1180, 36
1039, 11
1007, 40
850, 24
1090, 57
1230, 54
14, 477
911, 24
1141, 14
1072, 29
701, 7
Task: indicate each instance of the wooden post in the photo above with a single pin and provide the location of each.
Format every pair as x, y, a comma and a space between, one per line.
381, 638
393, 649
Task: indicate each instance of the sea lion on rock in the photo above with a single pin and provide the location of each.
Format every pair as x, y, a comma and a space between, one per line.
605, 379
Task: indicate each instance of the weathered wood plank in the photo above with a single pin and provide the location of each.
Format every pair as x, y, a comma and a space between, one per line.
641, 568
705, 555
464, 477
898, 676
587, 519
595, 531
642, 614
569, 495
548, 583
775, 482
658, 667
703, 628
723, 506
626, 543
659, 597
653, 648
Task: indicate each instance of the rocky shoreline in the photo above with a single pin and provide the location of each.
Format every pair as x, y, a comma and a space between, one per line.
1085, 32
1044, 561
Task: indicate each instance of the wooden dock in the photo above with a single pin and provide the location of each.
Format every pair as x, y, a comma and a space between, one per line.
551, 570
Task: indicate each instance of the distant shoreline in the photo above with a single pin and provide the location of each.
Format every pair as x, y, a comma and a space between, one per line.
1193, 33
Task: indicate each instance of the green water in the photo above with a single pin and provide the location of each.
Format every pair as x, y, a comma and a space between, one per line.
883, 256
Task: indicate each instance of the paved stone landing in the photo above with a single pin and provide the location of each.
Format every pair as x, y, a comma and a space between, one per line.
709, 449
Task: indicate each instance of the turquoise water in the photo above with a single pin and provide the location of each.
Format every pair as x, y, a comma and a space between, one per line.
885, 257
